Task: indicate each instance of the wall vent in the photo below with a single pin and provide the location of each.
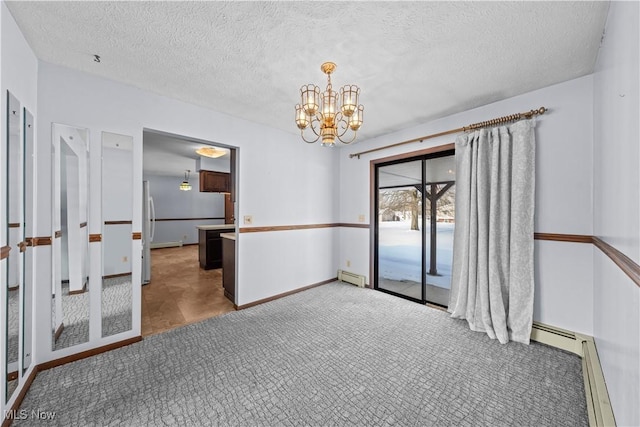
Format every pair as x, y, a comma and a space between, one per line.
556, 337
598, 403
355, 279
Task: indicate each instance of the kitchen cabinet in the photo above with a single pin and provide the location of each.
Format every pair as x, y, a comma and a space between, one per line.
210, 244
215, 182
210, 249
229, 266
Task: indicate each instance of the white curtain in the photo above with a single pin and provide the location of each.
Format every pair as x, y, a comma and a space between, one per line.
492, 277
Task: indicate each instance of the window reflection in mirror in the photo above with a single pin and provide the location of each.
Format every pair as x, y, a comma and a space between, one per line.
15, 240
70, 302
117, 214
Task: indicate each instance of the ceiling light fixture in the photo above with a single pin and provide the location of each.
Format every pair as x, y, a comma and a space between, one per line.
212, 152
330, 114
185, 186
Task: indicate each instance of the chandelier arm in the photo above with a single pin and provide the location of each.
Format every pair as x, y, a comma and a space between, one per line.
347, 142
315, 119
314, 131
344, 124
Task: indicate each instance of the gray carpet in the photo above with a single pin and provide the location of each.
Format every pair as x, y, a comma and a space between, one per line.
116, 312
116, 305
332, 355
75, 317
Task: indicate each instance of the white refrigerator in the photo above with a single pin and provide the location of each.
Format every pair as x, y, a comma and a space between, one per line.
148, 228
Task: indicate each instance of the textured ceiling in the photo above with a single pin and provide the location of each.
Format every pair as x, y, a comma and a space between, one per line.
169, 155
414, 61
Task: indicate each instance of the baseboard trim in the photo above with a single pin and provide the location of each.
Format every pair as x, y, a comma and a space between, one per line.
598, 403
58, 332
79, 291
113, 276
284, 294
57, 362
88, 353
16, 404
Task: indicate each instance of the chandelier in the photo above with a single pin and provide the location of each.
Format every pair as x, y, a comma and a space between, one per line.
329, 114
185, 186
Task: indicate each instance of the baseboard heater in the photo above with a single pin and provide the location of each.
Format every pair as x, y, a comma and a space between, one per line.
355, 279
165, 245
598, 403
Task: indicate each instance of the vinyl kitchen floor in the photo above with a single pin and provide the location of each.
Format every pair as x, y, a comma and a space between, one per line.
180, 292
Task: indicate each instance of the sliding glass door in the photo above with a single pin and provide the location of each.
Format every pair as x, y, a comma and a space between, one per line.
400, 249
415, 219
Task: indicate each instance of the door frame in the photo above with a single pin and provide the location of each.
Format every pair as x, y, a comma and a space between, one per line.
373, 214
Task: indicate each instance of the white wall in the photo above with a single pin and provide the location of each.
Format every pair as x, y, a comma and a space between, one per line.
116, 203
18, 74
617, 208
171, 202
564, 280
295, 188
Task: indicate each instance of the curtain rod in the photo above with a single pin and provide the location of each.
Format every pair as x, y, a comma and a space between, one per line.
474, 126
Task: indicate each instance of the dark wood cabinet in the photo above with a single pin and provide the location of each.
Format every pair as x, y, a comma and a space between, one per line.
228, 210
210, 249
215, 182
229, 268
233, 178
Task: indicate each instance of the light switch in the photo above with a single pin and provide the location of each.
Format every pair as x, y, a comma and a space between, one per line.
361, 218
248, 219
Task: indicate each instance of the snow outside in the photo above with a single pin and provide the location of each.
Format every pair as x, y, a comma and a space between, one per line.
400, 251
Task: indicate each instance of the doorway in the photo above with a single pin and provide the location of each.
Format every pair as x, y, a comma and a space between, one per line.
183, 193
414, 226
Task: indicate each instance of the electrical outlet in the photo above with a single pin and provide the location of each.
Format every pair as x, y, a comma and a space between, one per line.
361, 218
348, 263
184, 238
125, 259
248, 219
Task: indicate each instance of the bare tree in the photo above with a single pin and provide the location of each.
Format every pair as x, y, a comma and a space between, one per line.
394, 201
446, 203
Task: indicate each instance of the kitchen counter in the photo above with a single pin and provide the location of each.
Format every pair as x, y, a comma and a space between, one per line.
216, 227
231, 236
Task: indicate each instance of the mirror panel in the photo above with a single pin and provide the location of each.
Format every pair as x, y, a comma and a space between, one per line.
70, 302
15, 240
117, 215
27, 294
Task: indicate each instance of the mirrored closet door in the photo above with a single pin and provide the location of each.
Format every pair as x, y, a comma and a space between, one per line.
28, 127
15, 241
117, 215
70, 270
17, 254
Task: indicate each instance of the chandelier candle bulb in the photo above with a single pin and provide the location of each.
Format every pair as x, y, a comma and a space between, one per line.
331, 114
349, 96
302, 119
310, 99
355, 121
